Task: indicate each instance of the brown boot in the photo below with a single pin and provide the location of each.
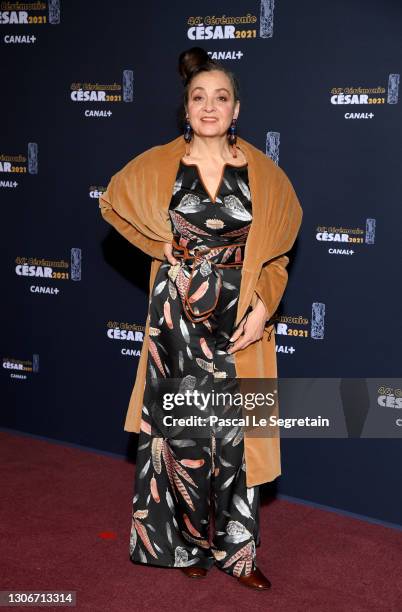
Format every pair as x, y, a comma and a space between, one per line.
194, 572
255, 580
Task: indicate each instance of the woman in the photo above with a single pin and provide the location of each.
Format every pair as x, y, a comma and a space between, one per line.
210, 299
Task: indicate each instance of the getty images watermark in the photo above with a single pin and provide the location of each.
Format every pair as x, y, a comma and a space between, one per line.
287, 407
198, 400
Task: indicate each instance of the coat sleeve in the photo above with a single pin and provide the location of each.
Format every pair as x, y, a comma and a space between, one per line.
118, 215
273, 278
272, 283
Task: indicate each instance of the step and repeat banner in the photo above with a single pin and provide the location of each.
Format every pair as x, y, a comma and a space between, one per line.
89, 85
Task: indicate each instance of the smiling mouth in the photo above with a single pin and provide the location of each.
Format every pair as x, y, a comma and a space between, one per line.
208, 119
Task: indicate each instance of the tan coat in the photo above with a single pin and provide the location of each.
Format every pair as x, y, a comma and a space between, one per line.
136, 203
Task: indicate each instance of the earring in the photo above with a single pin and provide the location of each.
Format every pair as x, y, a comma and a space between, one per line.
187, 135
232, 137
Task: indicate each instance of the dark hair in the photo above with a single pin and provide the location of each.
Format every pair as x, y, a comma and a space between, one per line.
196, 60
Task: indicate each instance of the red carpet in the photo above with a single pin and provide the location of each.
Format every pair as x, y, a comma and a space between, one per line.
65, 520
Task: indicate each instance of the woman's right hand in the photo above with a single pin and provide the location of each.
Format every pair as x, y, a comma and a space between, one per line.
168, 249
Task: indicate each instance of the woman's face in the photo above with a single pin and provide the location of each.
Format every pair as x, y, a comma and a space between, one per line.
211, 105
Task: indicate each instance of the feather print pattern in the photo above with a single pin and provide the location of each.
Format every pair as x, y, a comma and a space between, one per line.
183, 491
172, 290
143, 534
190, 527
181, 558
235, 208
157, 445
189, 204
192, 463
159, 287
154, 352
184, 330
200, 542
197, 295
238, 232
243, 187
183, 478
178, 183
186, 228
205, 348
154, 490
166, 312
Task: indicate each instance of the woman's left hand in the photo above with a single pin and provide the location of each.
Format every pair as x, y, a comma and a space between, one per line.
253, 328
168, 250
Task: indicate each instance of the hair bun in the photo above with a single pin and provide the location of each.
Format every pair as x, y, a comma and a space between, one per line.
190, 60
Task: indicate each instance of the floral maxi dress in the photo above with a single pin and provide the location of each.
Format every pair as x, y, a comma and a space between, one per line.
191, 505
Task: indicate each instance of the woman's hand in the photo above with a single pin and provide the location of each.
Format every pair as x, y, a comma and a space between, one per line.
252, 326
168, 248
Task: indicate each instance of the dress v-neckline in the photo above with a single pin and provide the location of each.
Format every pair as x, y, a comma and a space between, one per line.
213, 200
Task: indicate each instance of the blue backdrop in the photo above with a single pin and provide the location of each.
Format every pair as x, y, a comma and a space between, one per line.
86, 87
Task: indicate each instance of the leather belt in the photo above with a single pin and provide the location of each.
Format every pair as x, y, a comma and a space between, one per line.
199, 284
